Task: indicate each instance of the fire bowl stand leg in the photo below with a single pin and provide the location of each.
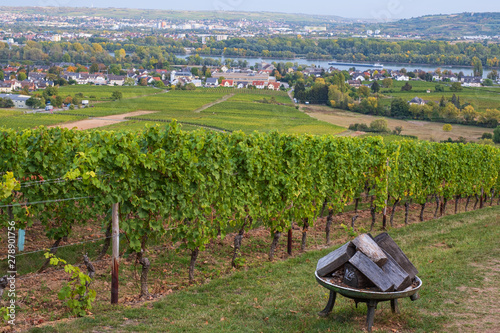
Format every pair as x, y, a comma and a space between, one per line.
372, 305
394, 305
329, 306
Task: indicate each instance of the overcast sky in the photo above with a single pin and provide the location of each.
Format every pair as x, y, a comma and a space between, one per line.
370, 9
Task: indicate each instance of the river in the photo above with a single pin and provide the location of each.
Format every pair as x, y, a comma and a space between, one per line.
324, 64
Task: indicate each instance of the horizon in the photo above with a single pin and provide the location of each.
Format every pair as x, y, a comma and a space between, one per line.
367, 10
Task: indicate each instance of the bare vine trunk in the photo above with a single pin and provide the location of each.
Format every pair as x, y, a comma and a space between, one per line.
274, 244
323, 208
304, 234
481, 201
372, 211
329, 221
443, 207
422, 212
467, 203
53, 250
194, 256
356, 203
407, 209
107, 243
91, 272
475, 203
144, 276
457, 198
354, 218
492, 196
237, 246
437, 207
394, 211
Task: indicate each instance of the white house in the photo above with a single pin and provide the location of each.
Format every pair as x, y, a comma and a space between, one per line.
116, 80
19, 100
212, 82
402, 77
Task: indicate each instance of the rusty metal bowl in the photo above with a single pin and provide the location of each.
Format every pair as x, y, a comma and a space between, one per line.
366, 294
371, 298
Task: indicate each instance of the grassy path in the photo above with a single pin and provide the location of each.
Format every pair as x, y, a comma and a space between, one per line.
456, 256
206, 106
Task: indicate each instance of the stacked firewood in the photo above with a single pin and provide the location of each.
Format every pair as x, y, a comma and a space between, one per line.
376, 264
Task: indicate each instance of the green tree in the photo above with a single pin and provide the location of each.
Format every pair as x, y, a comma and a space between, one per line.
406, 87
379, 125
94, 68
493, 75
190, 86
50, 91
478, 66
387, 82
299, 91
488, 82
447, 128
120, 54
35, 102
400, 108
66, 57
456, 86
439, 88
398, 130
21, 76
375, 87
129, 81
364, 91
1, 75
159, 84
58, 101
496, 135
469, 114
6, 103
117, 95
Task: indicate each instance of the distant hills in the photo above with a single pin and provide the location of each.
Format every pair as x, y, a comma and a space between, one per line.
430, 26
152, 14
445, 26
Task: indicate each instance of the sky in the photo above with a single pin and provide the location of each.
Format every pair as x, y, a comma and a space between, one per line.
368, 9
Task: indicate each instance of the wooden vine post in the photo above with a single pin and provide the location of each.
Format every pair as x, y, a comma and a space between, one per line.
115, 236
384, 220
290, 239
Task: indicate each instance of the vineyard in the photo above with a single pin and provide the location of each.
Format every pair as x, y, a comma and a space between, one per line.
195, 187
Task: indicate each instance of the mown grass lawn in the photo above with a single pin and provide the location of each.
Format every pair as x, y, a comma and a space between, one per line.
452, 254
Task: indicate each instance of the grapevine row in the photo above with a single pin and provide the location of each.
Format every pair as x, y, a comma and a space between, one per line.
195, 186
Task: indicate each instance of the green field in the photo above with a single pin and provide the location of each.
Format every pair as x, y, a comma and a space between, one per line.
481, 98
102, 93
19, 121
244, 111
221, 109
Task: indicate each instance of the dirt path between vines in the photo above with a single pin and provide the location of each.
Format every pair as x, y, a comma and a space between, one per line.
101, 121
209, 105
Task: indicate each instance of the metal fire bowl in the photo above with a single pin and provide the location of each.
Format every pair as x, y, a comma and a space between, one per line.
357, 294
